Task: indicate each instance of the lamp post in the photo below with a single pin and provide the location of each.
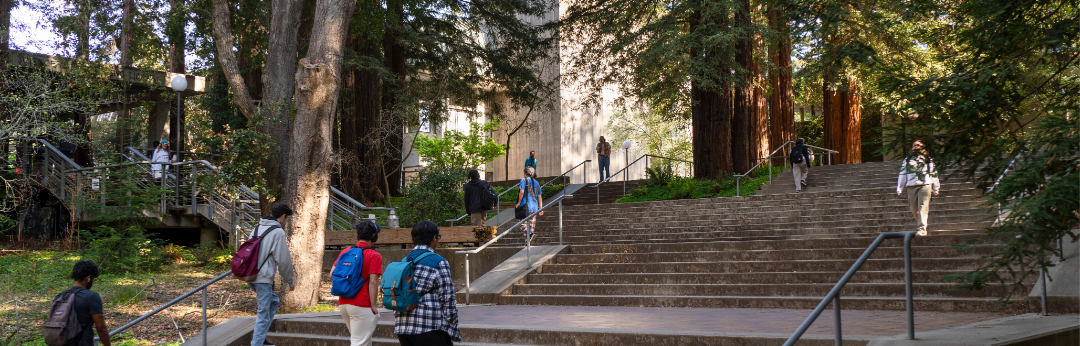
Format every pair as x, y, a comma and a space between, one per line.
179, 84
626, 170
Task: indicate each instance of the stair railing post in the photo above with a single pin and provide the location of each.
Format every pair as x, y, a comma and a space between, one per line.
737, 186
836, 314
1042, 282
101, 188
467, 279
204, 331
770, 168
908, 290
560, 221
191, 184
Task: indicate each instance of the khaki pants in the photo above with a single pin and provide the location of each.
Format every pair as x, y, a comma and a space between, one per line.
918, 198
478, 219
361, 323
799, 171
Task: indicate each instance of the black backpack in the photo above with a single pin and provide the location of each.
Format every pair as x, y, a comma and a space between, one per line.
63, 324
796, 155
490, 196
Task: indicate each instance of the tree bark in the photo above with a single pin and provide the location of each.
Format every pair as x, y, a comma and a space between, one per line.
318, 80
362, 174
123, 117
394, 55
741, 138
759, 124
155, 126
711, 111
781, 98
223, 42
277, 83
841, 107
177, 37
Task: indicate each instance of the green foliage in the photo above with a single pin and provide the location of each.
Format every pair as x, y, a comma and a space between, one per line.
459, 150
653, 132
242, 151
123, 250
687, 188
7, 225
659, 175
435, 195
1004, 73
212, 255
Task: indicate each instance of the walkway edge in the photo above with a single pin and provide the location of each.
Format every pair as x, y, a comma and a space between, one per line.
1026, 329
494, 283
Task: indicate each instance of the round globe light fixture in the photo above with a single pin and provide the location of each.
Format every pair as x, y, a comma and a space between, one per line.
179, 83
626, 144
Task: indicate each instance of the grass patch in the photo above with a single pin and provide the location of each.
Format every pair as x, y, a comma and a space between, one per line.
662, 186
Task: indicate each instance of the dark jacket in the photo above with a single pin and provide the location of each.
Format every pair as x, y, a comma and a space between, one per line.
474, 196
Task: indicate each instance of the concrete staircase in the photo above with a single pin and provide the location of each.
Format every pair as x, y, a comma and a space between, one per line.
609, 192
772, 250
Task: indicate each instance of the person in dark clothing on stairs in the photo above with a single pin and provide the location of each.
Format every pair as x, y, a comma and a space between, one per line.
800, 163
475, 204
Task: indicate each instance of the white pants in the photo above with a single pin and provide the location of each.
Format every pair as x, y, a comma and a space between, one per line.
361, 323
799, 170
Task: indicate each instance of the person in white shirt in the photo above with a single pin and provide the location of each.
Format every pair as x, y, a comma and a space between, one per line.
919, 179
161, 154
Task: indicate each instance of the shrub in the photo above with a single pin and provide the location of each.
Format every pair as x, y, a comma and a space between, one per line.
682, 188
435, 195
213, 255
125, 250
659, 176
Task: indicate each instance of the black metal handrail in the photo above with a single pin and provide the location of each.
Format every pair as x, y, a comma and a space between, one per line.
171, 303
834, 294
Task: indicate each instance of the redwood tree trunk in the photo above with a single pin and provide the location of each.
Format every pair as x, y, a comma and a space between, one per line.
362, 174
781, 98
394, 55
307, 189
759, 124
123, 117
710, 113
842, 111
741, 137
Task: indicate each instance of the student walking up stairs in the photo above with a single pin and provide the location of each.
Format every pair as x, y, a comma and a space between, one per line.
776, 249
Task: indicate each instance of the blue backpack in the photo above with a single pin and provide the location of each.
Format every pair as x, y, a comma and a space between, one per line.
398, 286
346, 278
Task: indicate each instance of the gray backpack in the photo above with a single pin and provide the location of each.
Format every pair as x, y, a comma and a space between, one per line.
63, 324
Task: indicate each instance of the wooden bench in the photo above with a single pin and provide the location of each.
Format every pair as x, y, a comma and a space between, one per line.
403, 236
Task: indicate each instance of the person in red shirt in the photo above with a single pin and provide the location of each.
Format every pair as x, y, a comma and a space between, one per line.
360, 312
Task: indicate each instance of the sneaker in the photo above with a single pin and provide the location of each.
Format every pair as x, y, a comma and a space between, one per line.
804, 183
921, 233
267, 343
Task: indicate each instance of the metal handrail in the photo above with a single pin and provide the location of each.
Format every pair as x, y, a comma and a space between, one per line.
565, 173
834, 294
528, 241
1002, 175
772, 156
171, 303
498, 208
646, 157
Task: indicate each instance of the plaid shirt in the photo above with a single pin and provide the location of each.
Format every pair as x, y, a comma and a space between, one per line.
438, 305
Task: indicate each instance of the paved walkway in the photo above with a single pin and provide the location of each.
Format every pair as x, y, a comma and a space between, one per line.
719, 320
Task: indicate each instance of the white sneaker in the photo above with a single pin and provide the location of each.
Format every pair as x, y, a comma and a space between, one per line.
921, 233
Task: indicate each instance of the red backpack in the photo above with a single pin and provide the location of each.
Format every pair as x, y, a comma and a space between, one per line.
245, 261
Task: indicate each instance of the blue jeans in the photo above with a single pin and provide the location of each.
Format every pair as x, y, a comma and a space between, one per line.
605, 166
268, 304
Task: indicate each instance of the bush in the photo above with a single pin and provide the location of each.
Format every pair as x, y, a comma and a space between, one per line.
126, 250
659, 176
212, 255
435, 195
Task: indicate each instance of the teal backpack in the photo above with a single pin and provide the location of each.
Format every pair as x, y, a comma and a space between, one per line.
398, 286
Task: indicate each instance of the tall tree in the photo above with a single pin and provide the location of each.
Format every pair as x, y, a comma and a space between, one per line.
842, 108
362, 173
743, 85
277, 91
781, 98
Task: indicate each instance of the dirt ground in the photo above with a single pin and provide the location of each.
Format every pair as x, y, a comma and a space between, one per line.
225, 299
